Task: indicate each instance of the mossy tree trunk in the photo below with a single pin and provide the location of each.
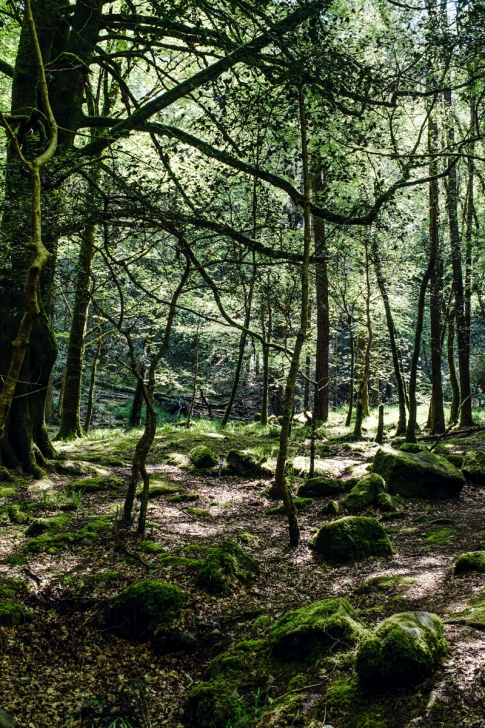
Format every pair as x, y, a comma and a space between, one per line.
281, 485
455, 387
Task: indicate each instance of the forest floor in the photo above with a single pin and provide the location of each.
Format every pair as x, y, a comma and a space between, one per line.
65, 668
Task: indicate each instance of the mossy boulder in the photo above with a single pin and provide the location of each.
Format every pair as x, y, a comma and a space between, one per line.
151, 547
40, 526
216, 702
386, 503
72, 467
247, 464
17, 515
352, 538
473, 467
365, 493
203, 457
331, 508
13, 613
386, 583
226, 566
404, 649
145, 608
315, 630
184, 498
321, 487
412, 447
418, 475
472, 561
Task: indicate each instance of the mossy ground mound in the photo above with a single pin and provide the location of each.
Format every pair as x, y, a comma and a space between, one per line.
203, 457
96, 483
365, 493
225, 567
40, 526
472, 561
385, 583
17, 515
313, 631
145, 608
13, 613
247, 464
473, 467
321, 487
331, 508
412, 447
351, 539
418, 475
299, 504
404, 649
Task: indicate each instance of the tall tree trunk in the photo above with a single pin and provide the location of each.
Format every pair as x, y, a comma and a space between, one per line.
437, 412
401, 424
352, 370
92, 384
136, 407
335, 370
462, 329
323, 312
412, 421
267, 333
70, 427
280, 478
455, 387
362, 407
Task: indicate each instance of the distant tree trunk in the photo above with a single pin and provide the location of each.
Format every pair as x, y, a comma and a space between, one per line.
308, 372
412, 421
401, 424
323, 310
380, 425
362, 407
455, 387
437, 413
280, 478
71, 411
267, 333
462, 331
196, 375
335, 370
352, 370
136, 407
92, 384
374, 377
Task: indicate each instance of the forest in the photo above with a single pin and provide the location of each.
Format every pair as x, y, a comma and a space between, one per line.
242, 368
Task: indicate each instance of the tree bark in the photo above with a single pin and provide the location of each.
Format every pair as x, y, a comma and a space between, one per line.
352, 371
362, 407
136, 407
455, 387
322, 385
92, 384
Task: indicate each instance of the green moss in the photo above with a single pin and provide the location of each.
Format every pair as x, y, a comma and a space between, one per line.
7, 492
262, 623
50, 542
347, 697
16, 587
418, 475
247, 464
473, 467
440, 537
184, 498
96, 484
155, 491
17, 515
12, 613
247, 537
182, 561
331, 508
385, 583
198, 512
321, 487
177, 459
198, 549
16, 560
351, 539
145, 608
412, 447
47, 525
101, 459
315, 630
404, 649
472, 561
299, 504
454, 459
5, 476
203, 457
225, 567
151, 547
364, 493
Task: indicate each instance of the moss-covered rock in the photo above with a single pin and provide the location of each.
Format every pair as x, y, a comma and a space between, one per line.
385, 583
226, 566
315, 630
473, 467
351, 539
331, 508
455, 459
12, 613
160, 489
184, 498
5, 476
321, 487
386, 503
203, 457
404, 649
17, 515
216, 702
145, 608
418, 475
151, 547
412, 447
247, 464
72, 467
472, 561
40, 526
96, 483
365, 493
